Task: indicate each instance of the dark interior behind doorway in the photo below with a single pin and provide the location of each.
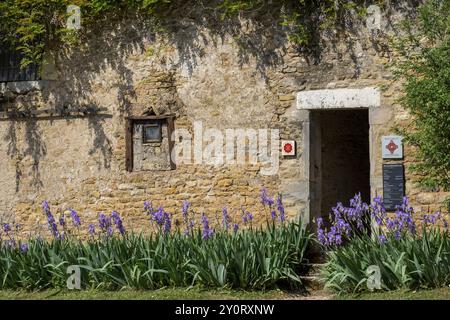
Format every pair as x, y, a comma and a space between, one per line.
340, 157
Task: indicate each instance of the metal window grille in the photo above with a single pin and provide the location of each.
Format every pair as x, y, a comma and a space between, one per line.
10, 67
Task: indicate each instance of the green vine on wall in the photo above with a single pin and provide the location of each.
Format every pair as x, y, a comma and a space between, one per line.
424, 66
34, 26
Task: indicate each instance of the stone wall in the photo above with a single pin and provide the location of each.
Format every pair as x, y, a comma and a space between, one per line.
79, 160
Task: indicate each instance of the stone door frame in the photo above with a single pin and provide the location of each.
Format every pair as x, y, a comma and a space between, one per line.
338, 99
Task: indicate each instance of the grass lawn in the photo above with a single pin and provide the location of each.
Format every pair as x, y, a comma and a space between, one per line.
434, 294
218, 294
161, 294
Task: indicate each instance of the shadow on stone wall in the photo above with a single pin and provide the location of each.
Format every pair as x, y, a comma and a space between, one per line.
35, 149
101, 141
13, 151
259, 36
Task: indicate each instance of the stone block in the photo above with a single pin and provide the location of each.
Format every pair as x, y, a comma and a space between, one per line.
22, 87
339, 98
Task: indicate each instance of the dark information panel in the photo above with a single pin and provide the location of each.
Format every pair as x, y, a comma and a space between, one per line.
393, 185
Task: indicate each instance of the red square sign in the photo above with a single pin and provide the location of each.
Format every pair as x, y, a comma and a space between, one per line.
288, 148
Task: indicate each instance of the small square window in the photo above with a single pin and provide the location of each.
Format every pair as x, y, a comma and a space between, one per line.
151, 133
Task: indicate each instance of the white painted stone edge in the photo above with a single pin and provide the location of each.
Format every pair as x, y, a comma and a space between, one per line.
21, 87
368, 97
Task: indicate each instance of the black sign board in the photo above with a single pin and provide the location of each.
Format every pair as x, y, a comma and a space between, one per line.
393, 185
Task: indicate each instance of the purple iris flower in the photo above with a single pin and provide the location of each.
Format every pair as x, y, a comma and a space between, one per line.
344, 220
343, 227
62, 220
6, 227
273, 214
167, 222
118, 222
207, 231
91, 229
280, 207
378, 210
51, 220
382, 239
24, 247
319, 222
148, 207
189, 226
431, 218
115, 216
46, 207
322, 237
75, 218
338, 239
246, 216
265, 199
159, 216
103, 221
225, 219
185, 209
121, 228
390, 224
403, 220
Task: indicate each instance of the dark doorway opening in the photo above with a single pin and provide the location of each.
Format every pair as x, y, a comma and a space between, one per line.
340, 160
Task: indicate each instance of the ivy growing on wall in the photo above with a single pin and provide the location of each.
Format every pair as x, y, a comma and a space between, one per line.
33, 26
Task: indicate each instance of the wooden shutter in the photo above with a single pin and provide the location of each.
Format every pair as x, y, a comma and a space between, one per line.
129, 144
170, 130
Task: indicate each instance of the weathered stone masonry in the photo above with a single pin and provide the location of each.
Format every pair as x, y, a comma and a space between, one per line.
79, 159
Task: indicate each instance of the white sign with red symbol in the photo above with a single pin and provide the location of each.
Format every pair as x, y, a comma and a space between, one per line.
391, 147
288, 148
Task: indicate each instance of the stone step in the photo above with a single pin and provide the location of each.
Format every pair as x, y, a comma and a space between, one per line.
314, 269
313, 278
313, 282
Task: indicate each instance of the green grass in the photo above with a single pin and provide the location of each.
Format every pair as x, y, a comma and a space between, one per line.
434, 294
161, 294
218, 294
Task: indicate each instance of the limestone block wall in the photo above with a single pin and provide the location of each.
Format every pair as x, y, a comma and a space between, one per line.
79, 161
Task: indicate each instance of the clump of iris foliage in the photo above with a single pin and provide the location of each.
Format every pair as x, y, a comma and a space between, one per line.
410, 254
234, 254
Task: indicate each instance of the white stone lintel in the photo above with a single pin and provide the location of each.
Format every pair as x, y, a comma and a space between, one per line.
21, 87
338, 99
